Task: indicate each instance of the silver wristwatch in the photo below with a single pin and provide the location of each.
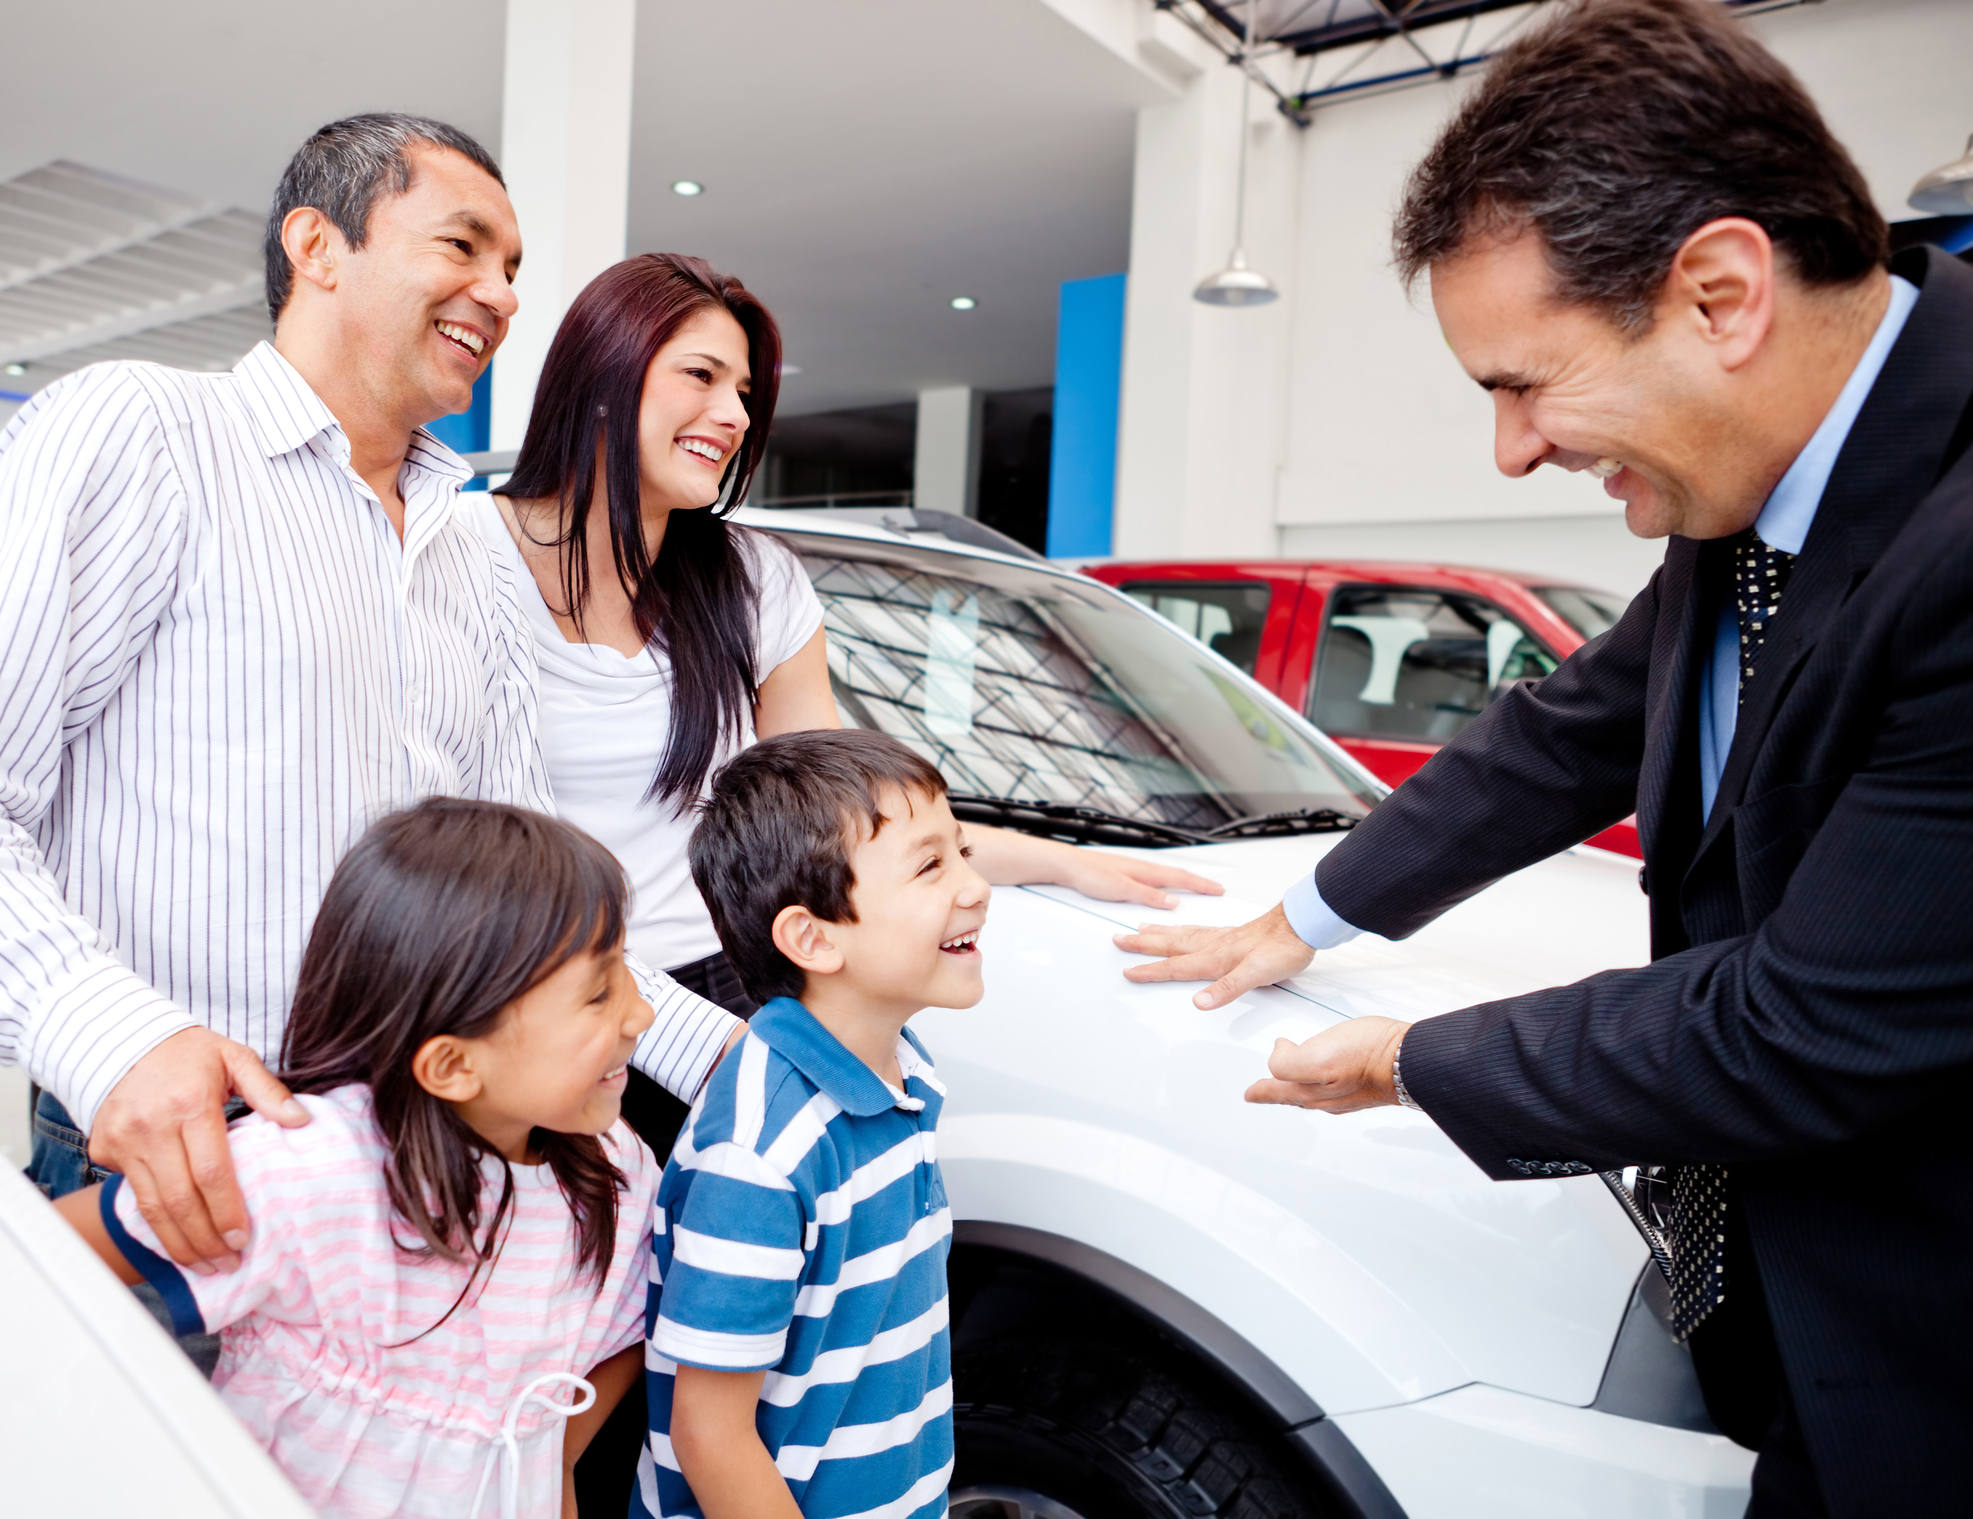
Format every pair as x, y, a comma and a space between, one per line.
1405, 1099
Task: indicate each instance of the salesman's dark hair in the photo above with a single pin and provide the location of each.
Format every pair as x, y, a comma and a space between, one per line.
1617, 131
342, 170
778, 830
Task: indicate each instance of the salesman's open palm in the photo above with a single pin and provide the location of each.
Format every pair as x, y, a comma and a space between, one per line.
1341, 1070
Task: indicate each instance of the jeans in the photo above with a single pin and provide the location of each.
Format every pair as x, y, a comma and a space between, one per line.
59, 1164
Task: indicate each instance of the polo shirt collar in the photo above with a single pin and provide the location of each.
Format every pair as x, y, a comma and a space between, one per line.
286, 414
792, 1031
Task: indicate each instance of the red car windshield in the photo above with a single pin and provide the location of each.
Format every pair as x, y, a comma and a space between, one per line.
1588, 612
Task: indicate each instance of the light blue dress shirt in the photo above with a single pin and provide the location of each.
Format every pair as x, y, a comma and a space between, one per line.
1784, 524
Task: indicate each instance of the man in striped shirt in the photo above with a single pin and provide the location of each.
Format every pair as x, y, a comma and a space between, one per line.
238, 622
799, 1359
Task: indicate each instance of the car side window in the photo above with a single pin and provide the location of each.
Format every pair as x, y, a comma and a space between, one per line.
1225, 618
1417, 664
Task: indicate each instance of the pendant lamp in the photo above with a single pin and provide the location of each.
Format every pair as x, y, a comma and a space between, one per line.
1946, 191
1238, 284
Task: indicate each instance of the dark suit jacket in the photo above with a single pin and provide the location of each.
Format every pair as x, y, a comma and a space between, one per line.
1807, 1016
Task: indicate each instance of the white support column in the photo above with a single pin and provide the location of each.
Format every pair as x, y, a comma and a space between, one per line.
945, 472
565, 149
1203, 412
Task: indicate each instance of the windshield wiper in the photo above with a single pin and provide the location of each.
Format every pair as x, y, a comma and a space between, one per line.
1299, 820
1077, 824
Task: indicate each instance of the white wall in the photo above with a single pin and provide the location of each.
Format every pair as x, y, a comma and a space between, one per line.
1386, 446
1203, 415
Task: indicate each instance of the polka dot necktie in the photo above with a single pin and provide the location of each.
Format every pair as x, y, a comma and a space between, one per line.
1697, 1225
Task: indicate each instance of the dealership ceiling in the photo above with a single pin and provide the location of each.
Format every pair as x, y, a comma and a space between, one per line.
864, 162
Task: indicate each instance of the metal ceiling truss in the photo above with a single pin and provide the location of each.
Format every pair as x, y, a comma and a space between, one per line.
1428, 39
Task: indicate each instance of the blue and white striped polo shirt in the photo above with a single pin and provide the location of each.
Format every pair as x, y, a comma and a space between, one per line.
802, 1229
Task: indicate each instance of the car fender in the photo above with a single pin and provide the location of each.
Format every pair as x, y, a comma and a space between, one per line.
1371, 1260
1334, 1334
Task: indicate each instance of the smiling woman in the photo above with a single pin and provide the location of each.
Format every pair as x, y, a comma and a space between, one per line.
662, 631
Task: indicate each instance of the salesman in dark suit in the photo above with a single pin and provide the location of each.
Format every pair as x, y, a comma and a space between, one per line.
1644, 244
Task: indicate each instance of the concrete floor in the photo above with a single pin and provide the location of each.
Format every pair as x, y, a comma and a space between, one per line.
13, 1115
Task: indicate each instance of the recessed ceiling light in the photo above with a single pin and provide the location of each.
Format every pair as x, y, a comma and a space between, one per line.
687, 187
17, 368
963, 303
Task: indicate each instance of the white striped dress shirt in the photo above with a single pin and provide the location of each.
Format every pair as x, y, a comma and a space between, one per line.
218, 665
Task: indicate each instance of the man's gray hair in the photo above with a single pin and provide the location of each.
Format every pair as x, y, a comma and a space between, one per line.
343, 168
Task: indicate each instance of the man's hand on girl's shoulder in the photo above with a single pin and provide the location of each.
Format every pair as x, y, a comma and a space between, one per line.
164, 1127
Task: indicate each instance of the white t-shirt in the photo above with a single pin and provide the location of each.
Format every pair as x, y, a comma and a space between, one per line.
605, 717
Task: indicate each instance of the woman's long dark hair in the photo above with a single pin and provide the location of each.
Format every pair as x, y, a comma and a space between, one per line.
697, 601
435, 922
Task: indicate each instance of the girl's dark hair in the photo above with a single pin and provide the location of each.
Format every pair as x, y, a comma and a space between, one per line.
697, 601
439, 918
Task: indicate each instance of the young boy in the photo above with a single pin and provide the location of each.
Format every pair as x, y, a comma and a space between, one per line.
798, 1361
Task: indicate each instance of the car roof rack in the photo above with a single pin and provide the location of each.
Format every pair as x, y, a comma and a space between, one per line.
907, 521
915, 522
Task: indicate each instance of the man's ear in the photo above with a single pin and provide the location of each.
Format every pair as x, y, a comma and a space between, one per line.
807, 941
1721, 288
313, 245
443, 1066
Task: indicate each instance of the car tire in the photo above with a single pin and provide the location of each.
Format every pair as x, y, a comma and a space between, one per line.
1089, 1431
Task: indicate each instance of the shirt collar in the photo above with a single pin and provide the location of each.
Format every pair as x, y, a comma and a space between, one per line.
286, 413
792, 1031
1790, 511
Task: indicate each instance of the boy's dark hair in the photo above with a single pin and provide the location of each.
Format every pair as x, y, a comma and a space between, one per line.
342, 169
1617, 131
778, 830
437, 920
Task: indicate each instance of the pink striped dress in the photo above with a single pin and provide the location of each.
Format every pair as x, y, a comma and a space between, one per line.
459, 1421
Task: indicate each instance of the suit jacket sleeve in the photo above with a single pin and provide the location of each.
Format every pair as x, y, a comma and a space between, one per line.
1844, 1010
1548, 764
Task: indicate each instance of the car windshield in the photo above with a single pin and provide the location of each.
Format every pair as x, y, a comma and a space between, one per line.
1028, 685
1588, 612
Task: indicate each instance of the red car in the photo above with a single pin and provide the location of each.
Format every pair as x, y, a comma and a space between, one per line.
1390, 660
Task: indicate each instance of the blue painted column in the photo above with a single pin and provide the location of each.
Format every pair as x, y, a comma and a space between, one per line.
1958, 238
468, 431
1082, 466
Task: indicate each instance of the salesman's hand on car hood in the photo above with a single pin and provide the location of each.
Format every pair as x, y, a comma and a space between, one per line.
1235, 960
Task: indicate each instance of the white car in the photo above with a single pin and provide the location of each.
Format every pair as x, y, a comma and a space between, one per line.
1169, 1302
1166, 1302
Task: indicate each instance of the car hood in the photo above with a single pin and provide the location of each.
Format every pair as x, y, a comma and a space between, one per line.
1365, 1254
1559, 921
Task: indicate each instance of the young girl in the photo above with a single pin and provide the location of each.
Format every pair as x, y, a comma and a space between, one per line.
454, 1240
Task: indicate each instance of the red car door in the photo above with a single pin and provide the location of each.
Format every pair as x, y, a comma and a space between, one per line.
1396, 668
